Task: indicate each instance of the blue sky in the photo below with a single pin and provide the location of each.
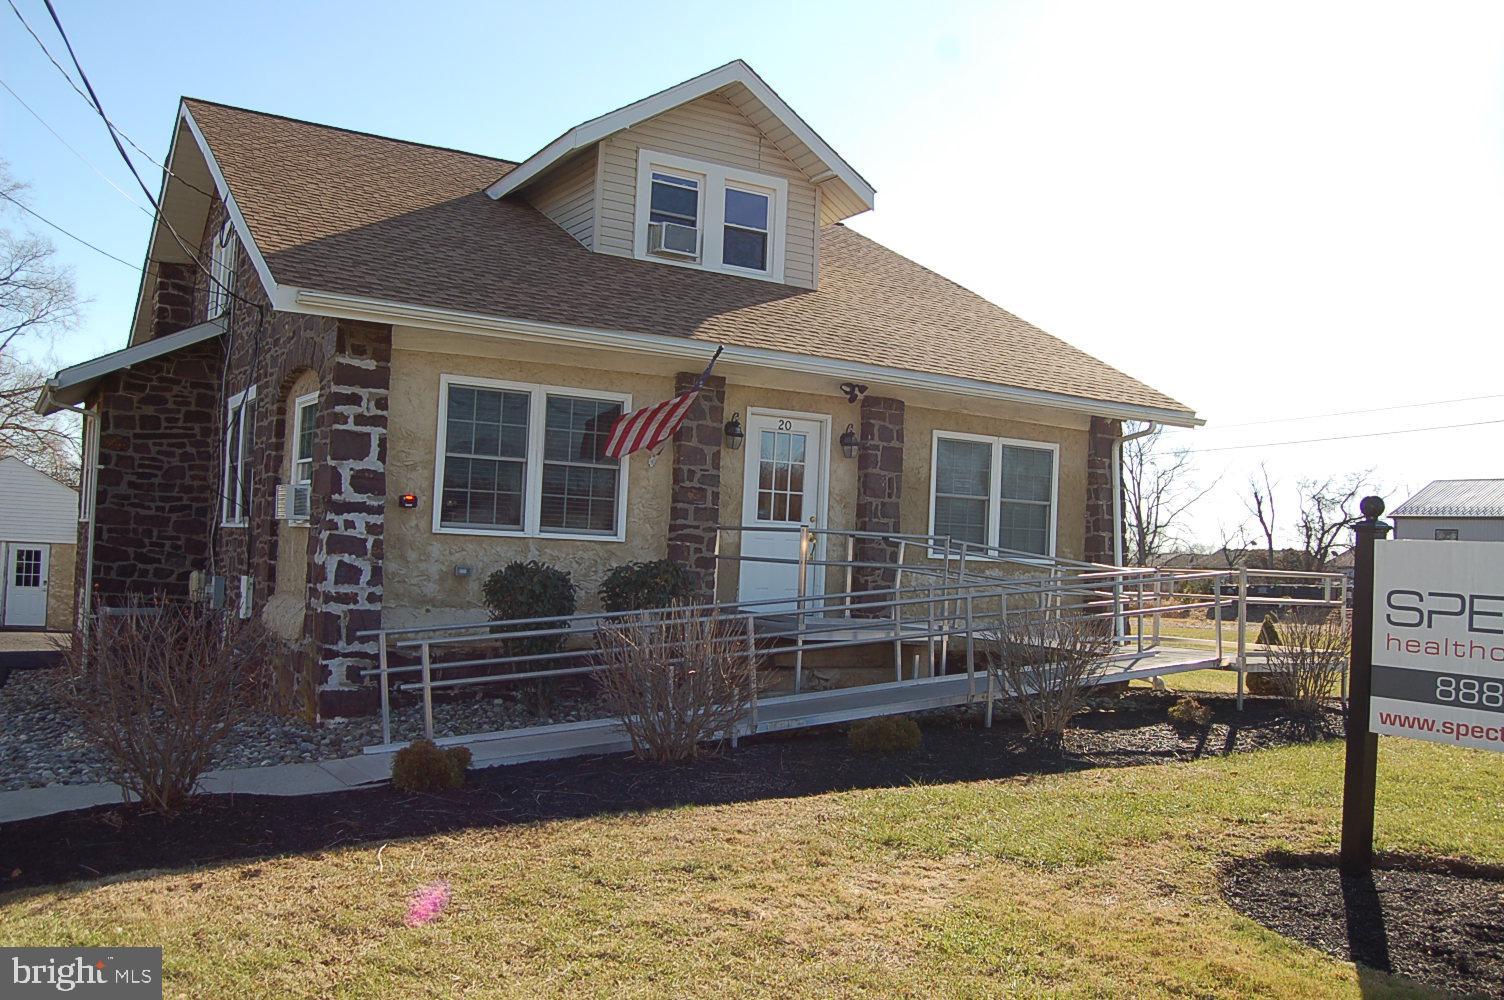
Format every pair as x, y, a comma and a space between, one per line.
1267, 210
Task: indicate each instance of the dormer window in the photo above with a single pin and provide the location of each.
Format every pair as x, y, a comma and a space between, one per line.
710, 216
746, 239
674, 216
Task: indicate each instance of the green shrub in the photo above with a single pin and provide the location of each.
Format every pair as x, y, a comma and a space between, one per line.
530, 590
1269, 631
423, 767
639, 586
1189, 713
885, 734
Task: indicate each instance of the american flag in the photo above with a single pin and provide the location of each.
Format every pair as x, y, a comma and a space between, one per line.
652, 425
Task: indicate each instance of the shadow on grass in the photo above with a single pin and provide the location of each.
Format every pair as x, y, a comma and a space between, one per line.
111, 840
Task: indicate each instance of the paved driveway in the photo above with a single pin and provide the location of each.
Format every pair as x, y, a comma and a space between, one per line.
30, 650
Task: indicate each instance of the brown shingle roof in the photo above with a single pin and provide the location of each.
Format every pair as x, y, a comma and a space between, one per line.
351, 213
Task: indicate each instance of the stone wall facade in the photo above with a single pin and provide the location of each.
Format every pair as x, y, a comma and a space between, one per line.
1100, 529
879, 488
156, 498
695, 494
162, 468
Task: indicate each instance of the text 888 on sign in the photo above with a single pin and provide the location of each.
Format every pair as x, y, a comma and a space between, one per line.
1438, 642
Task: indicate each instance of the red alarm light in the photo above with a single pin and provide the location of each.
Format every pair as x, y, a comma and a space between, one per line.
408, 500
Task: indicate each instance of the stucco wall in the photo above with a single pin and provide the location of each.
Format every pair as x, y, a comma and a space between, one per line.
61, 561
419, 571
420, 580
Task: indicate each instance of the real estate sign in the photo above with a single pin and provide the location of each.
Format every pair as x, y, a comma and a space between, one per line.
1438, 642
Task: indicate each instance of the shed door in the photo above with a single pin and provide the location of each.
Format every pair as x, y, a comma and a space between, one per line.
26, 586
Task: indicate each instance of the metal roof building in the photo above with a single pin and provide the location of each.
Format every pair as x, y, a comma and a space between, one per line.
1466, 510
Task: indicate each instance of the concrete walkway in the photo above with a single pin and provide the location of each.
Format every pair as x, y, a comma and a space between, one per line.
277, 779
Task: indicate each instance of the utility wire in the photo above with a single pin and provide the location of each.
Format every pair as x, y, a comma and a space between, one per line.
1340, 413
77, 90
1346, 437
86, 161
65, 232
191, 252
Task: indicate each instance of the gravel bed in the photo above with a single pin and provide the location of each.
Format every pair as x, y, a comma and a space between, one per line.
41, 743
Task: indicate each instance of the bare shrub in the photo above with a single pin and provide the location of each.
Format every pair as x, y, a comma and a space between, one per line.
1307, 662
1044, 666
676, 680
157, 687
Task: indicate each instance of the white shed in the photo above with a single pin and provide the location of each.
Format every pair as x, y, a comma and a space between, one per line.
1457, 510
38, 541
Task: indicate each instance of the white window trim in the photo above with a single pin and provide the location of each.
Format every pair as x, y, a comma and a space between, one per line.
88, 475
995, 486
292, 452
235, 509
221, 269
532, 507
713, 177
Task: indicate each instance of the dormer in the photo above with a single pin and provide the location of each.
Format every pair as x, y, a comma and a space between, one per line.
715, 174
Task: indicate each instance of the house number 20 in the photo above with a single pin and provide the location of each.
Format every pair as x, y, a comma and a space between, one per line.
785, 425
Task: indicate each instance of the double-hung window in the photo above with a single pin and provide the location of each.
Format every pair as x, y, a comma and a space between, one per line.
221, 269
305, 419
238, 455
709, 215
526, 459
994, 492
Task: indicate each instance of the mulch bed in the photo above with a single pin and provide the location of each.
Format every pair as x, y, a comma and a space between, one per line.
105, 840
1437, 922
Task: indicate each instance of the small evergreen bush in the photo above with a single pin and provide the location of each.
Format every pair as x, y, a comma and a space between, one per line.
1188, 713
640, 586
423, 767
530, 590
885, 734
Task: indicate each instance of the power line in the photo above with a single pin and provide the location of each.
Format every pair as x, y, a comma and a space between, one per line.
72, 83
65, 232
1346, 437
191, 252
1339, 413
86, 161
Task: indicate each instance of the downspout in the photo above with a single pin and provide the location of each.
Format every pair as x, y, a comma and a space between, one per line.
1117, 520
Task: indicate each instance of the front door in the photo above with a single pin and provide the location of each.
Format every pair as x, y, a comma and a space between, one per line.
784, 487
26, 586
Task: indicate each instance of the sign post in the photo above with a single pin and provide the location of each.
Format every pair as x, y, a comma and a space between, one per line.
1432, 615
1361, 773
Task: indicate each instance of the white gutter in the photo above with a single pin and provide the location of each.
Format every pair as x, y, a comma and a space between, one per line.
383, 311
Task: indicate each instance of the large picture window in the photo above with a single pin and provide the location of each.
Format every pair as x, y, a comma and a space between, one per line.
994, 492
526, 459
238, 455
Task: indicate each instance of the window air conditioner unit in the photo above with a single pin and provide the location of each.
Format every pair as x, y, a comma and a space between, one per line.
669, 239
293, 501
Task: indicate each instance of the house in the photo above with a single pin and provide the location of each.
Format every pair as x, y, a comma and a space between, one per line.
1455, 510
428, 346
38, 536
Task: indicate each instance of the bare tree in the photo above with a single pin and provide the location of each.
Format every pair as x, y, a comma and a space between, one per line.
1260, 504
1158, 488
1326, 507
38, 300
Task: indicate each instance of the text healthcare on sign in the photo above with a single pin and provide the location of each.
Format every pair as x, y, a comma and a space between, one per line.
1438, 642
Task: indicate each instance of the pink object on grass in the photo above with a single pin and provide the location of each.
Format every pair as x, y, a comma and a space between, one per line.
427, 904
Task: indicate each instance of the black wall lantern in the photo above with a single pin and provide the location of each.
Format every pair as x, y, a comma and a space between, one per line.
850, 443
734, 433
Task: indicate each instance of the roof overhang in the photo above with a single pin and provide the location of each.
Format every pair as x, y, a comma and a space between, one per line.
72, 386
849, 189
398, 313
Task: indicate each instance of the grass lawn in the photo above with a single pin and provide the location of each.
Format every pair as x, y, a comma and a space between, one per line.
1093, 884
